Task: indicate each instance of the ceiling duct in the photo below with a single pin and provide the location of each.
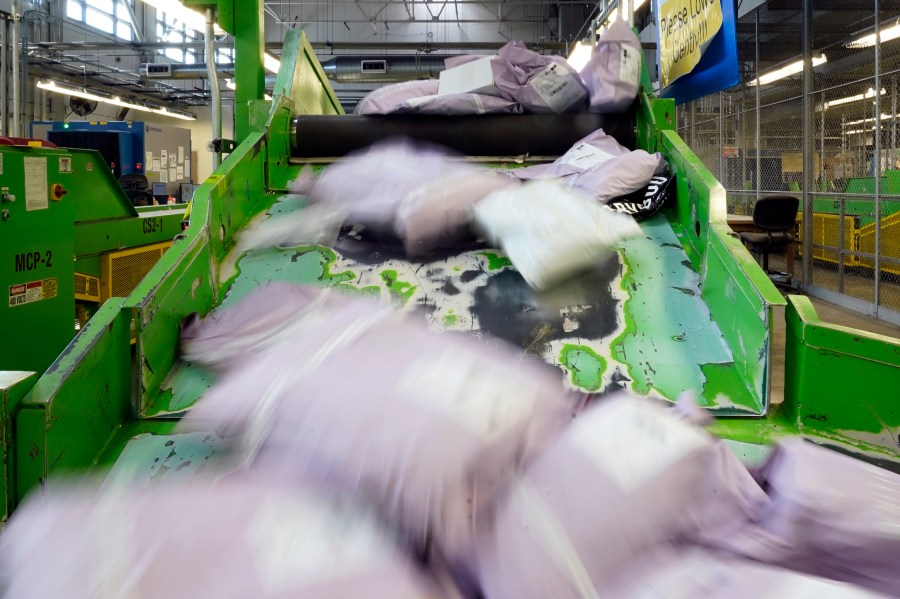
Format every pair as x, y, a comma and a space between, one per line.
164, 70
383, 69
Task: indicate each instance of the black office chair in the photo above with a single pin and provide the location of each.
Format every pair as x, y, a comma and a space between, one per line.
775, 217
135, 186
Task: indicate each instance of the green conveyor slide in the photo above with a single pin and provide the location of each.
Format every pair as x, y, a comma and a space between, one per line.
685, 307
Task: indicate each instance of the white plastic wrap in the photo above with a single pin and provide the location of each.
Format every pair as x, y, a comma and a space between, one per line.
550, 231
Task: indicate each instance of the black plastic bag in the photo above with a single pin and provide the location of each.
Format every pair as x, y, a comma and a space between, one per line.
646, 202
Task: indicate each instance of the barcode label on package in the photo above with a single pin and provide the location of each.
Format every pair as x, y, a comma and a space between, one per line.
557, 87
630, 65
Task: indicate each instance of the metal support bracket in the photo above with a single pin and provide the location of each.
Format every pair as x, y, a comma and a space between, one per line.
222, 146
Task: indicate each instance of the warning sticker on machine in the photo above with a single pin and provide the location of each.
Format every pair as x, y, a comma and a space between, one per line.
34, 291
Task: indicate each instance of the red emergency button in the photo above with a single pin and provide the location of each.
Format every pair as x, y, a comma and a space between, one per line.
57, 192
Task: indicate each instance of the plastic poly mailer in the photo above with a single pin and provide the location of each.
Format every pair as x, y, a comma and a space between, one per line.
627, 476
831, 515
425, 426
613, 73
601, 167
234, 539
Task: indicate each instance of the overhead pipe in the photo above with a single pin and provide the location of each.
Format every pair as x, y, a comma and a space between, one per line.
159, 70
383, 69
16, 81
215, 89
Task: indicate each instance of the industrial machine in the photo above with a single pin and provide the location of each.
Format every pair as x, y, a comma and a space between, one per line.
683, 308
69, 240
160, 152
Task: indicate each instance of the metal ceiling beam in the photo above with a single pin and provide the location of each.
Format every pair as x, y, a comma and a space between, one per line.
91, 46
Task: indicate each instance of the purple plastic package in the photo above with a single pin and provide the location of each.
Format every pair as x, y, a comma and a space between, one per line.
541, 84
426, 426
391, 98
613, 73
689, 572
394, 187
830, 515
233, 539
599, 166
625, 477
420, 97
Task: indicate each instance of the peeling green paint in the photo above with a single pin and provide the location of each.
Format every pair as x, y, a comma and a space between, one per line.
450, 319
399, 290
724, 385
306, 264
496, 261
668, 334
585, 366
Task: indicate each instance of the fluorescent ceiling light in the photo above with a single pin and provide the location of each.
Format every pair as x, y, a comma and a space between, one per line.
870, 93
787, 70
886, 35
580, 55
114, 101
884, 117
188, 16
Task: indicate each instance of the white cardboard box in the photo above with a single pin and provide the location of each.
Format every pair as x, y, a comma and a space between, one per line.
474, 77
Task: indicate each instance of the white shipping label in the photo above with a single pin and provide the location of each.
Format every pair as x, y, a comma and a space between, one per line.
172, 160
181, 154
297, 543
36, 195
179, 173
155, 165
149, 159
163, 156
585, 156
557, 87
485, 402
630, 65
172, 177
163, 175
633, 441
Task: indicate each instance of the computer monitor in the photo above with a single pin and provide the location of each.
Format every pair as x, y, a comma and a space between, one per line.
159, 189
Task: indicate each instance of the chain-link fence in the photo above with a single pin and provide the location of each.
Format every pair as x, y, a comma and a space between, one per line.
846, 170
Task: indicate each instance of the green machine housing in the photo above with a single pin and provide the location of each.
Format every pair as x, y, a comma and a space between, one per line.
103, 404
69, 239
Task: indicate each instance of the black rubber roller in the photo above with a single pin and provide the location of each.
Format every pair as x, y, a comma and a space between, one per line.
316, 136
